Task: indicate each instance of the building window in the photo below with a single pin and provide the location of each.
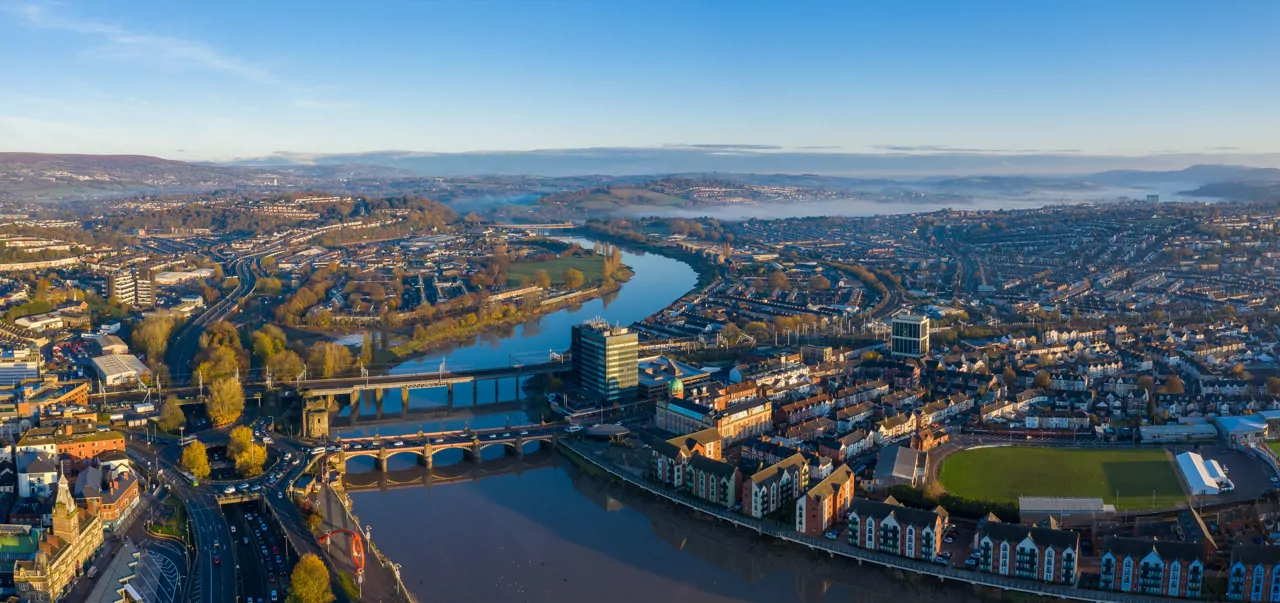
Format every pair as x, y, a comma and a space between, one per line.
1126, 577
1108, 574
1026, 562
871, 534
984, 557
1194, 578
911, 541
1048, 564
1175, 574
1275, 584
1257, 583
1004, 559
1068, 566
854, 530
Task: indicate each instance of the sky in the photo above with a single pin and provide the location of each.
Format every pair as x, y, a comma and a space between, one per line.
233, 79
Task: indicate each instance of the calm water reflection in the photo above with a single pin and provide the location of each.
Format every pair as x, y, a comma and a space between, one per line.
537, 531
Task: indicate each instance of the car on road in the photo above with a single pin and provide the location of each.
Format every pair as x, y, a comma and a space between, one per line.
399, 443
493, 436
832, 535
233, 529
439, 440
524, 433
217, 560
246, 540
280, 495
229, 490
573, 428
506, 435
243, 487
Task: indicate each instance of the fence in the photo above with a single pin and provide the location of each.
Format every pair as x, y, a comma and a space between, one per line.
834, 548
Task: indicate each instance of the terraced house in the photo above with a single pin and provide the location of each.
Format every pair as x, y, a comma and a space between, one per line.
1041, 552
891, 528
1152, 567
1254, 573
824, 504
774, 486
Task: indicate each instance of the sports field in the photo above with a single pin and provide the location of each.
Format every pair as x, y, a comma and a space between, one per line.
1005, 473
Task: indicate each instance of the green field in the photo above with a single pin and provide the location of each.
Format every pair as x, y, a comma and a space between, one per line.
592, 268
1004, 474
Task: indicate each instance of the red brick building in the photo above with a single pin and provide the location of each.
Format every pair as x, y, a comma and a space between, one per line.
826, 503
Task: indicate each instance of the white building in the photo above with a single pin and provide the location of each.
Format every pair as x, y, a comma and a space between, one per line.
118, 369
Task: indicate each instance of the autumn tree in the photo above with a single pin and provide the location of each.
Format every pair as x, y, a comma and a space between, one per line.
249, 456
818, 282
1273, 386
309, 582
222, 362
326, 358
1009, 375
1042, 380
267, 342
542, 279
152, 334
285, 365
366, 349
226, 401
195, 459
1173, 385
171, 417
778, 280
573, 278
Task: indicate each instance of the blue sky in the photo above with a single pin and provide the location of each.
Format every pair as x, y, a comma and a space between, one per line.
238, 79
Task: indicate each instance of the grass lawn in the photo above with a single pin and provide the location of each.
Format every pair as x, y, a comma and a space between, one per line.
1004, 474
592, 268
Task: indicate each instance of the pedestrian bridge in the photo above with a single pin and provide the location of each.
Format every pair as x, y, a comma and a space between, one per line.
425, 446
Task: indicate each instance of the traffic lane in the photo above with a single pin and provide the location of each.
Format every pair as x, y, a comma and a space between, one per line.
211, 534
256, 571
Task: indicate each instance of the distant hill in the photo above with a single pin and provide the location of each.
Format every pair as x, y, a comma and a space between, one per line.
1239, 191
1196, 174
52, 177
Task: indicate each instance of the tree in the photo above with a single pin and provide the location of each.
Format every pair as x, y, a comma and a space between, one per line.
152, 334
220, 334
326, 358
778, 280
542, 279
171, 417
1042, 380
195, 459
819, 283
226, 401
366, 349
420, 333
573, 278
267, 342
1009, 375
222, 363
309, 582
1173, 385
1273, 386
268, 263
248, 455
286, 365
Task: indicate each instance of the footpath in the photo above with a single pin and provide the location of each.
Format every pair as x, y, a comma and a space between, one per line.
380, 579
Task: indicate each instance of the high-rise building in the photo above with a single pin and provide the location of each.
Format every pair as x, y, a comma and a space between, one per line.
606, 361
132, 287
910, 336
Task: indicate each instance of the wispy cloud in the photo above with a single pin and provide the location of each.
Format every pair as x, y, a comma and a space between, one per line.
119, 41
725, 147
942, 148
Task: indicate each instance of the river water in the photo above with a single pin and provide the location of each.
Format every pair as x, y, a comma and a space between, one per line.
536, 530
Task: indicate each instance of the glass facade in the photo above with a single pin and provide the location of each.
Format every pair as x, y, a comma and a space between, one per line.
606, 362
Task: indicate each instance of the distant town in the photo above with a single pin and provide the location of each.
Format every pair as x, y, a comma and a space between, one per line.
1077, 401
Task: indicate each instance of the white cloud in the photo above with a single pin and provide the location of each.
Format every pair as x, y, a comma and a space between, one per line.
118, 41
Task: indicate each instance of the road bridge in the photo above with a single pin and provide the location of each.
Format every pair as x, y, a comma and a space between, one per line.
425, 446
420, 476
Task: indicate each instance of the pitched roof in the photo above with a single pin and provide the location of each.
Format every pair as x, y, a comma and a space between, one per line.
892, 508
1014, 533
1140, 547
795, 461
828, 487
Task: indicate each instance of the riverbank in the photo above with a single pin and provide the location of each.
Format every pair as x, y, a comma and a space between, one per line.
633, 477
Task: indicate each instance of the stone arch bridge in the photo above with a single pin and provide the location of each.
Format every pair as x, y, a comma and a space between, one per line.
425, 446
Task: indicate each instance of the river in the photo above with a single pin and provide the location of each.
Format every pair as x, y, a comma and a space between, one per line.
538, 531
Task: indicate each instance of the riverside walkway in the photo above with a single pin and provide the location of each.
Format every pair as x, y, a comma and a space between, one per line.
836, 547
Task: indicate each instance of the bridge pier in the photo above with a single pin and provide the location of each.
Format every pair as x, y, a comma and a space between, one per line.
427, 459
404, 401
380, 462
475, 452
519, 447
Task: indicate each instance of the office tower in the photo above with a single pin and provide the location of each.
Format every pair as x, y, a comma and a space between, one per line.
910, 336
605, 361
